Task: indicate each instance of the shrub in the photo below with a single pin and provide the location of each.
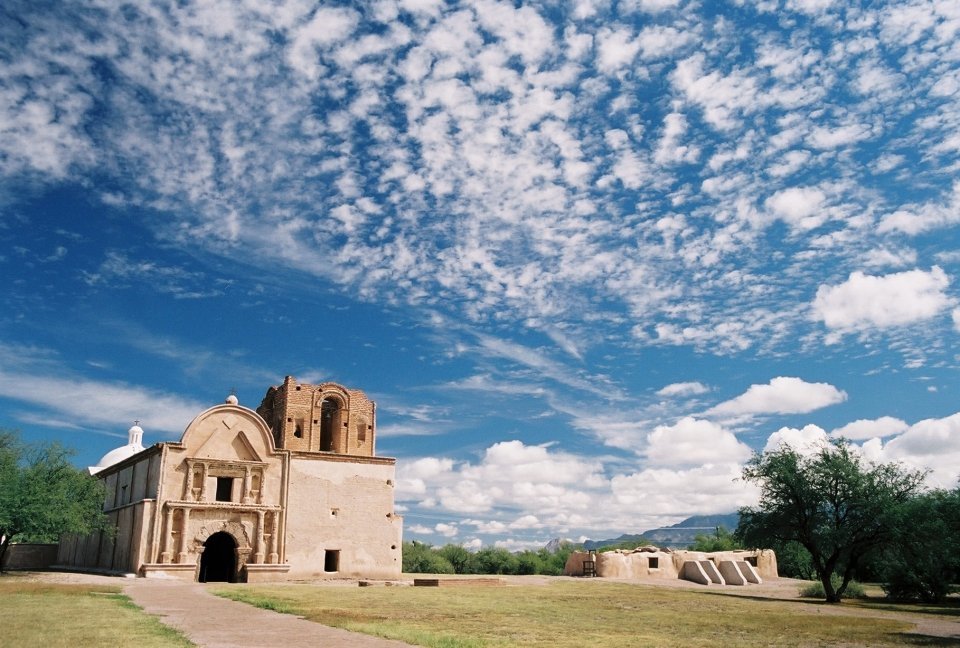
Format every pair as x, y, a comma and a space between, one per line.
421, 558
922, 561
815, 590
905, 582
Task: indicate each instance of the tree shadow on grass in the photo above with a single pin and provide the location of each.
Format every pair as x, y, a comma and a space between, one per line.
898, 610
926, 640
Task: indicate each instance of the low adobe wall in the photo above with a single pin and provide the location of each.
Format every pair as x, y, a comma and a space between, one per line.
30, 556
652, 562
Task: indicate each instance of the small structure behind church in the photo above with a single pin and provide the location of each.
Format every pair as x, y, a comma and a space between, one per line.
738, 567
293, 490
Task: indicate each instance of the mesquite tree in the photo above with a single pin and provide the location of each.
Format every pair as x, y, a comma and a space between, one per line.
42, 495
839, 507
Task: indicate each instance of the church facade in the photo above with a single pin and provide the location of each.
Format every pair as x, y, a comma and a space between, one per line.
293, 490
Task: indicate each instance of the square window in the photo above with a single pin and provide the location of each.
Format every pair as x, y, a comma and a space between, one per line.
653, 563
224, 489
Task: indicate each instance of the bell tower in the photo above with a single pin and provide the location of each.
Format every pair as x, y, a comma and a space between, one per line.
324, 418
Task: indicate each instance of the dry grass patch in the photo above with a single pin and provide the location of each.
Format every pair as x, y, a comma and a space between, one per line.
51, 615
571, 614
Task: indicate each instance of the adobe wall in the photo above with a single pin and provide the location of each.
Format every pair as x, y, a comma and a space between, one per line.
128, 505
650, 562
346, 505
27, 555
624, 564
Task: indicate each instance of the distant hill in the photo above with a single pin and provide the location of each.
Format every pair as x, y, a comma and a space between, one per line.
678, 536
626, 537
557, 544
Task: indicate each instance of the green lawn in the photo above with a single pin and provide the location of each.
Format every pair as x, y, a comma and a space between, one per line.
573, 614
76, 616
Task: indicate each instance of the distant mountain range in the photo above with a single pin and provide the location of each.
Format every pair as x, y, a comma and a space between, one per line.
678, 536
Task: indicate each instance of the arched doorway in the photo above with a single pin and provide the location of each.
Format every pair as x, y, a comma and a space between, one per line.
218, 562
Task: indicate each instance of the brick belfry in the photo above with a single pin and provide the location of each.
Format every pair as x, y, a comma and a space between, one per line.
320, 418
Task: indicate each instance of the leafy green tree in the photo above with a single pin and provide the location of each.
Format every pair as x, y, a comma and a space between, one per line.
460, 558
528, 562
422, 558
922, 561
42, 495
832, 502
495, 560
793, 560
553, 562
719, 540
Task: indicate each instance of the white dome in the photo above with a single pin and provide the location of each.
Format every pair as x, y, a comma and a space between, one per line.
115, 456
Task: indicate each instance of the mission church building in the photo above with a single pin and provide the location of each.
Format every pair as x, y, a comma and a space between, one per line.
293, 490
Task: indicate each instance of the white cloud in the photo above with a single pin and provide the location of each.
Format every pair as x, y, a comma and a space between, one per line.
810, 6
683, 389
800, 207
520, 488
328, 26
930, 444
807, 440
886, 257
869, 428
722, 98
865, 301
526, 522
510, 473
701, 490
446, 530
670, 149
831, 138
615, 49
694, 442
782, 395
109, 405
657, 41
923, 217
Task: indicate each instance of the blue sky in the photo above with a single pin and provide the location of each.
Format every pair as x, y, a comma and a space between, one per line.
585, 256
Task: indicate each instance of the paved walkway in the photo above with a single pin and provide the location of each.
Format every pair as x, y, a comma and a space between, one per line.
213, 622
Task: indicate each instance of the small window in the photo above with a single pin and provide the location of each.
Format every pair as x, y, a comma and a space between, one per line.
653, 563
752, 560
224, 489
331, 560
